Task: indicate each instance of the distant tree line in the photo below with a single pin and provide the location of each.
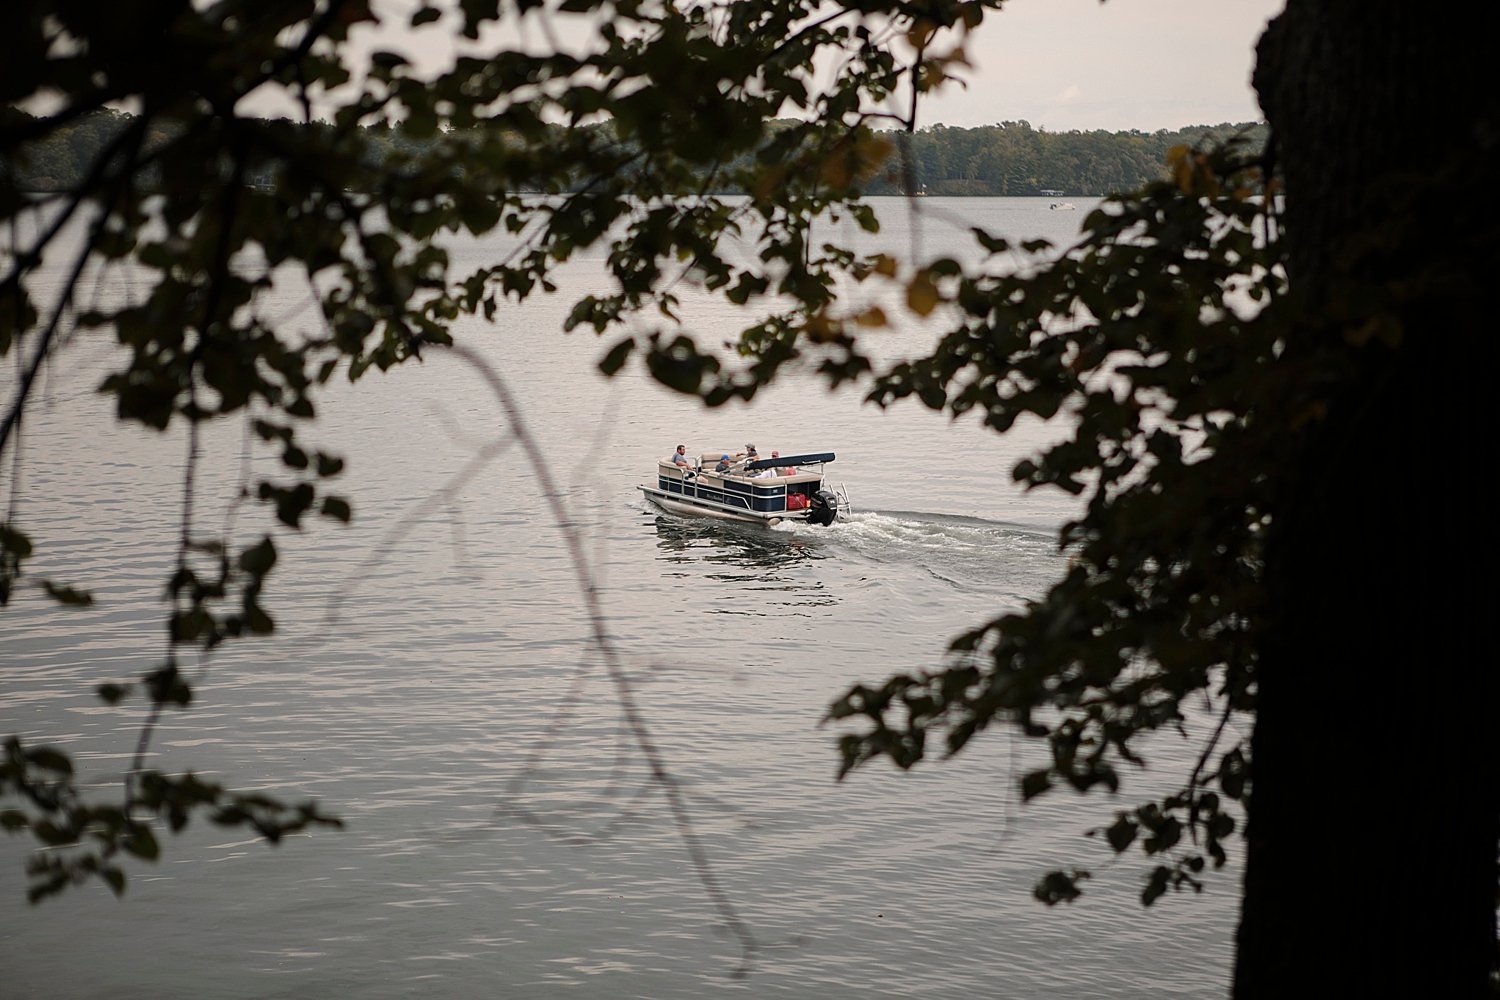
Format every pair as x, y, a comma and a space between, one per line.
1012, 158
1007, 158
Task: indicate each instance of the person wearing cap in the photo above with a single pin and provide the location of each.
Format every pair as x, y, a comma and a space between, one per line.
724, 464
788, 470
750, 455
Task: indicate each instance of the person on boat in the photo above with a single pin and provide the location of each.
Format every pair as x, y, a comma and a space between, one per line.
725, 463
750, 454
787, 470
679, 457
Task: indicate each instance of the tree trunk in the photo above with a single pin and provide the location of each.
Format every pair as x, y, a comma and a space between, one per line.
1375, 810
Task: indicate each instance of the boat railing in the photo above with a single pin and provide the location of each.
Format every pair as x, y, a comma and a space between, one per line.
739, 501
691, 480
724, 496
845, 507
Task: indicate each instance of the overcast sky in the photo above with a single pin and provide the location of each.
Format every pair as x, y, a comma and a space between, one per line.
1058, 64
1080, 64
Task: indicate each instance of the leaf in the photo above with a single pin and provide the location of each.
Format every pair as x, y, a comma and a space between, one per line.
1164, 836
47, 832
142, 843
336, 508
67, 595
1156, 884
14, 541
259, 558
613, 361
1059, 887
258, 621
994, 244
166, 686
1034, 784
111, 694
1232, 774
921, 294
388, 60
50, 760
1121, 834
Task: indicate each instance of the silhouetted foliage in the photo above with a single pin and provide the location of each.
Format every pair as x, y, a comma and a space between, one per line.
1158, 335
1236, 379
624, 135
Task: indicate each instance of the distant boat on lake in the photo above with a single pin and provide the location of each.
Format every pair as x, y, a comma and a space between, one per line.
764, 491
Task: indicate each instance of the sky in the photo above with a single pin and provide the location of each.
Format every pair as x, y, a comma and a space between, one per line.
1058, 64
1124, 64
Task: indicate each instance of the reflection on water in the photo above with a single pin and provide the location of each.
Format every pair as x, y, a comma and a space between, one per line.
726, 541
730, 544
757, 569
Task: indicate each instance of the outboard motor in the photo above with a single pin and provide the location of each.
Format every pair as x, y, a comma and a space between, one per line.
823, 507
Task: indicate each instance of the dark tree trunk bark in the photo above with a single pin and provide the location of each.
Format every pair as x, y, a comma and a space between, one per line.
1375, 810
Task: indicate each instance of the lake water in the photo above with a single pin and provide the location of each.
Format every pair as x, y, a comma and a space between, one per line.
433, 682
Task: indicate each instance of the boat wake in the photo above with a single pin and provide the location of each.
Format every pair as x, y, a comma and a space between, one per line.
969, 555
966, 553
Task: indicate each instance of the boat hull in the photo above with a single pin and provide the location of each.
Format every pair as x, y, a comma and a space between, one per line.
690, 507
